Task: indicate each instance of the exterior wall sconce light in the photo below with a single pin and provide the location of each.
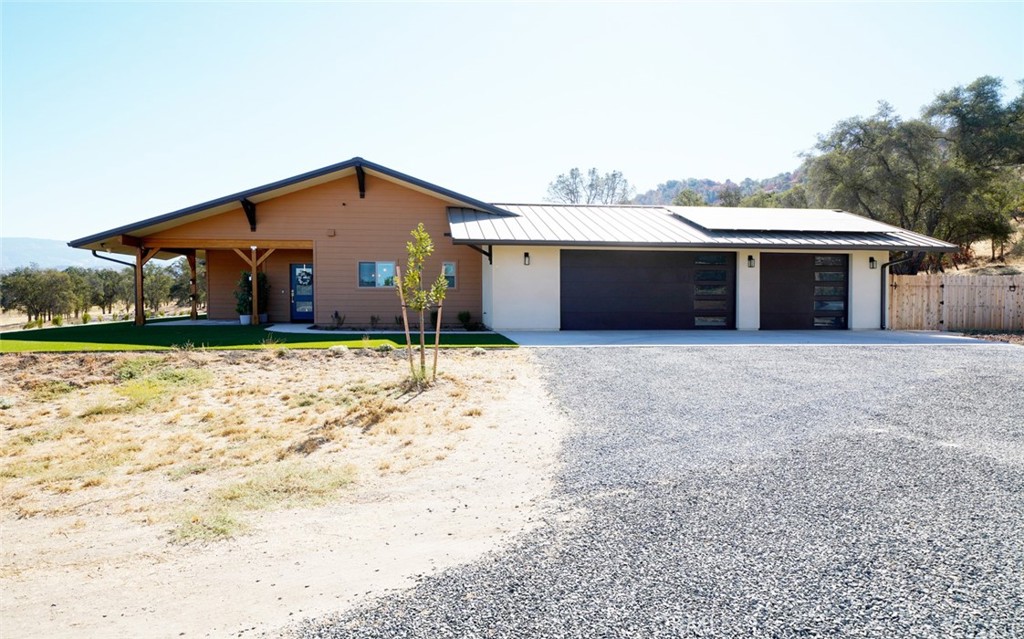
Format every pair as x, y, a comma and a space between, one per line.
526, 259
750, 261
872, 263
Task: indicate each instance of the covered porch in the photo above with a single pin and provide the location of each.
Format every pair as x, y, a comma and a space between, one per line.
226, 260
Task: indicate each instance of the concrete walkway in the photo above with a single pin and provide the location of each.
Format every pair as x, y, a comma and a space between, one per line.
562, 339
543, 339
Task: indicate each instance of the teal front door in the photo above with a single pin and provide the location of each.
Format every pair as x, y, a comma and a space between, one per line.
302, 292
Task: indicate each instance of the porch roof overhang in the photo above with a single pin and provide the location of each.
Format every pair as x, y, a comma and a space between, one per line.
126, 239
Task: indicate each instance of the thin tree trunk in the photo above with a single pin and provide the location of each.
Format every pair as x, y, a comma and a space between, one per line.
405, 320
423, 347
437, 339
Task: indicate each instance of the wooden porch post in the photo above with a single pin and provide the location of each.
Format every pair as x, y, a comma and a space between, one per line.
255, 289
192, 285
142, 255
140, 311
253, 265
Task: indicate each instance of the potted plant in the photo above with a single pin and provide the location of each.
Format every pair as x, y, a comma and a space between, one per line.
263, 287
243, 296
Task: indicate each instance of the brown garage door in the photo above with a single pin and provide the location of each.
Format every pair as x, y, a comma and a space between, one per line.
622, 290
801, 291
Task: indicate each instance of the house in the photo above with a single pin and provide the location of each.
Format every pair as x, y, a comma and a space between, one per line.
329, 242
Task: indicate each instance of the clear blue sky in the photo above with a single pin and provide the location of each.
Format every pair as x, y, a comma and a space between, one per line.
117, 112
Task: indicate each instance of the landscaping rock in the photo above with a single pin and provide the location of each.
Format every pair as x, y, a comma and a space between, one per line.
757, 491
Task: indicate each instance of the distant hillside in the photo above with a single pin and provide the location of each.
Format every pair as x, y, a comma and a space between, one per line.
24, 251
666, 192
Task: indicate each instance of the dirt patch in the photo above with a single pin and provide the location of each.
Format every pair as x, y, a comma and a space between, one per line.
1008, 338
214, 493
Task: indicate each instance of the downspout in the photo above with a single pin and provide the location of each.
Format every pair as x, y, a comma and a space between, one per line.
110, 259
885, 302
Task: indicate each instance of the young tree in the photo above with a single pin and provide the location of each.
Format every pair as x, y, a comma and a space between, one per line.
575, 188
419, 300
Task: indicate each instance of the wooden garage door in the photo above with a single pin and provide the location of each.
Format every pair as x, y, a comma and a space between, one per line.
622, 290
802, 291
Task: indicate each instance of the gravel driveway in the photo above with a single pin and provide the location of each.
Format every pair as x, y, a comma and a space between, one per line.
758, 491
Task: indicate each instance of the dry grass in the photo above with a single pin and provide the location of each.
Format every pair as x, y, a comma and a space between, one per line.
191, 441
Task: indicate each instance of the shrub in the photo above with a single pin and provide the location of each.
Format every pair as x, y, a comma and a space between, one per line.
57, 320
465, 317
86, 318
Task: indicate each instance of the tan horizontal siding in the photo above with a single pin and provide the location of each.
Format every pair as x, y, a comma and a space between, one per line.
372, 229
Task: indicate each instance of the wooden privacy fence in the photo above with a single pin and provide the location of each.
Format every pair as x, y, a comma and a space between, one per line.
946, 302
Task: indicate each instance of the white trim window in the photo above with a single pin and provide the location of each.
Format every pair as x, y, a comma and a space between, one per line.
376, 274
449, 273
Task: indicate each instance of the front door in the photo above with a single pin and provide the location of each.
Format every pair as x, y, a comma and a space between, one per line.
302, 292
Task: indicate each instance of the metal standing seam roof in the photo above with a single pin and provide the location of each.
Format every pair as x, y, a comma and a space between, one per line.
660, 226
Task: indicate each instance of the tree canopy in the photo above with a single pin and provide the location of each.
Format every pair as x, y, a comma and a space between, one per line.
593, 188
689, 197
955, 173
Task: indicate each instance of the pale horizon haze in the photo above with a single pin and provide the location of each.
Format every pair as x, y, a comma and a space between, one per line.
112, 113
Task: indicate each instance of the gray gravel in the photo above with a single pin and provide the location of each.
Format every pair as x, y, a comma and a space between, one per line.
757, 491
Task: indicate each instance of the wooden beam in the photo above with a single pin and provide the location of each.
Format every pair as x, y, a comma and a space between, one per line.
361, 178
203, 244
265, 256
245, 258
150, 254
129, 240
250, 213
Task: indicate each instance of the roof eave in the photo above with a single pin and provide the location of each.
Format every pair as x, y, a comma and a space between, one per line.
128, 229
709, 245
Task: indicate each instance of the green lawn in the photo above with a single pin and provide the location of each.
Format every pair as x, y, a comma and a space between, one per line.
125, 336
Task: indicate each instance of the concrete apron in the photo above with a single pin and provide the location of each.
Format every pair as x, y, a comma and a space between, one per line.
547, 339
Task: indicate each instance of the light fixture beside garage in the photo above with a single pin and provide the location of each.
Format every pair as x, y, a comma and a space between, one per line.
872, 263
526, 259
750, 261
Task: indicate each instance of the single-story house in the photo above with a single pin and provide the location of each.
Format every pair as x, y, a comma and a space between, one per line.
329, 242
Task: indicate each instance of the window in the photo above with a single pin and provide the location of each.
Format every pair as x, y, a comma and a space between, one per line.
715, 259
449, 273
705, 275
376, 274
711, 289
830, 260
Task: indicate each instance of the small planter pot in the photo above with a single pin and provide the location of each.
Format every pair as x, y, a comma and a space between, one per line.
245, 320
